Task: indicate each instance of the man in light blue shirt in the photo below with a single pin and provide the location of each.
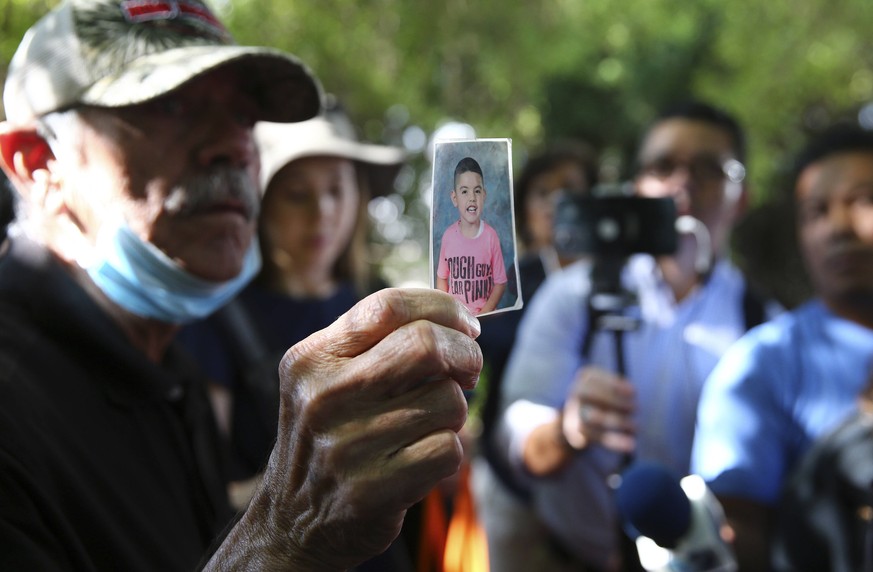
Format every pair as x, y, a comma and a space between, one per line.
789, 382
571, 420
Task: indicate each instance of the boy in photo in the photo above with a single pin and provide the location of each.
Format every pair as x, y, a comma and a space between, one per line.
471, 261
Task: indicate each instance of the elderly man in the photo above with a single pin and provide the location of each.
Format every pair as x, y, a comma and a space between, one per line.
129, 140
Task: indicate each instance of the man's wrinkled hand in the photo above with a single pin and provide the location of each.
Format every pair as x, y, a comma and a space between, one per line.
370, 411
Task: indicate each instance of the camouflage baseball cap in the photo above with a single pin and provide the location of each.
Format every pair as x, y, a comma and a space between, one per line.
112, 53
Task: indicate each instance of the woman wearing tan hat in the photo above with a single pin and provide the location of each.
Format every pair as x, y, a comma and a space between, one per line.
316, 179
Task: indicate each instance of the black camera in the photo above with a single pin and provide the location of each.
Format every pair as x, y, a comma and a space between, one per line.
615, 226
610, 227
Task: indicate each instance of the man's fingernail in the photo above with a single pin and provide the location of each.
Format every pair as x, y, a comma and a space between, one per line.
474, 323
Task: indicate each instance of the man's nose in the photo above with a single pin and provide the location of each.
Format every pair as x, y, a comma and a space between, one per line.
681, 179
841, 216
228, 140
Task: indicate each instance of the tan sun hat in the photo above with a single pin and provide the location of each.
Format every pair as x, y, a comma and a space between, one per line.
330, 134
112, 53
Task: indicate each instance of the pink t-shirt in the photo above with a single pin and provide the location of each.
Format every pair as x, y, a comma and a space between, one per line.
472, 266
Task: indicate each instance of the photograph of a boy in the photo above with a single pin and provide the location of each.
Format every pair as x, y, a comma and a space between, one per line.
471, 264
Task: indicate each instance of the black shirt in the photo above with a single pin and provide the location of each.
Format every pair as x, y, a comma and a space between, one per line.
108, 461
496, 341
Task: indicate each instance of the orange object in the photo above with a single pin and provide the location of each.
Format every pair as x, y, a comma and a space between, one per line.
456, 545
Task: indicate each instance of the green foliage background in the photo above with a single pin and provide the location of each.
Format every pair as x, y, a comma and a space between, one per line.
593, 69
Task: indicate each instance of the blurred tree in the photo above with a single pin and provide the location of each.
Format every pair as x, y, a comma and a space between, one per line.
15, 17
535, 70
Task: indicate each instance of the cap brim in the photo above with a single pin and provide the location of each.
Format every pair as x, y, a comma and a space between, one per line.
285, 88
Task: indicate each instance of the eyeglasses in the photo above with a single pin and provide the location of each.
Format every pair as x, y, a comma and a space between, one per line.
705, 169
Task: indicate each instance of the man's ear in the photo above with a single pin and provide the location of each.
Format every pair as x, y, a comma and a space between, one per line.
454, 198
23, 154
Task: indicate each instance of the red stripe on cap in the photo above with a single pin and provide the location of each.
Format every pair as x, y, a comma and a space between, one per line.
141, 11
147, 10
202, 13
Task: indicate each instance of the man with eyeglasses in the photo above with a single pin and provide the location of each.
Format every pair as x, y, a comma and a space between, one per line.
569, 420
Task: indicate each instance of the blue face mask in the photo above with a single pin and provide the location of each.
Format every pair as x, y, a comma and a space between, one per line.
140, 278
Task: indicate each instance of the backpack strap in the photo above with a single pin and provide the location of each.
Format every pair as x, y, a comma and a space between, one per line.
754, 307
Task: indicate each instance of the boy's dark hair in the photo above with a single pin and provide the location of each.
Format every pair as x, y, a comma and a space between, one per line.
468, 165
838, 138
700, 111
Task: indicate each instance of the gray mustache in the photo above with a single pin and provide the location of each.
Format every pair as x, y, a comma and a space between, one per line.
204, 192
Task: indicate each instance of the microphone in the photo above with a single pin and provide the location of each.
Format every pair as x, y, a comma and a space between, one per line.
675, 522
687, 224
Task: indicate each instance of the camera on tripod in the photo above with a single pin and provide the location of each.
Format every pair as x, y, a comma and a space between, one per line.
609, 227
612, 225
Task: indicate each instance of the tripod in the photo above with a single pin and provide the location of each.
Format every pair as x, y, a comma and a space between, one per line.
607, 303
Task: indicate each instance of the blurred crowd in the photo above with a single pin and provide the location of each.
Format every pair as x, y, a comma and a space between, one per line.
202, 367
